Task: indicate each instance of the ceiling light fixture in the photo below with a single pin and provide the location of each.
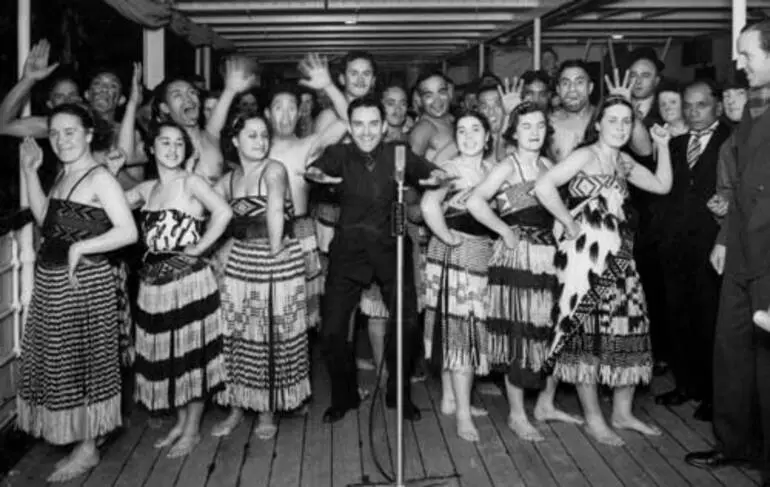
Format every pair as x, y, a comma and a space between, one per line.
617, 37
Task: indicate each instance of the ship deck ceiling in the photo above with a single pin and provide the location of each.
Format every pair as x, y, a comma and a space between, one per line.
396, 31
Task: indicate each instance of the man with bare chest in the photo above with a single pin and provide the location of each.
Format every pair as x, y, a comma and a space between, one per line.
570, 121
433, 136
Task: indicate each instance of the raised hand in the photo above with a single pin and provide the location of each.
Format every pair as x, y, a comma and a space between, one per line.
239, 74
762, 319
115, 159
135, 98
73, 259
317, 176
511, 93
36, 66
31, 155
437, 177
316, 69
618, 88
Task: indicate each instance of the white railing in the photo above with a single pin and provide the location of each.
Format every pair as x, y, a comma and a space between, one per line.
10, 311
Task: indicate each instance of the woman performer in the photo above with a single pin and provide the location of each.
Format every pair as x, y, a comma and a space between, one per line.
263, 290
456, 275
70, 367
522, 278
602, 329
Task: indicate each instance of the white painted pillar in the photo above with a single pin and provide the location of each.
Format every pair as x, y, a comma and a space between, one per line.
482, 58
739, 21
199, 61
537, 47
24, 237
206, 65
444, 66
154, 56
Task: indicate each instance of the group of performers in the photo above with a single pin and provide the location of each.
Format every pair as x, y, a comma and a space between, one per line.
255, 233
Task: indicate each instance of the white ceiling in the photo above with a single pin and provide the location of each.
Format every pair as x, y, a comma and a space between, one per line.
400, 31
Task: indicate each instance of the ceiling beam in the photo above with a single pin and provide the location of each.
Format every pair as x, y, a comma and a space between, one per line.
651, 26
629, 33
291, 27
639, 15
234, 6
352, 35
256, 18
314, 44
682, 4
343, 49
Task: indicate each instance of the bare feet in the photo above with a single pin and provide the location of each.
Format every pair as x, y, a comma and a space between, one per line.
265, 430
551, 413
184, 446
603, 433
634, 424
466, 429
80, 462
171, 437
66, 459
524, 429
449, 407
227, 426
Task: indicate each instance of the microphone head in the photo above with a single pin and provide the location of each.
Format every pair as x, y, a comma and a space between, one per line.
400, 165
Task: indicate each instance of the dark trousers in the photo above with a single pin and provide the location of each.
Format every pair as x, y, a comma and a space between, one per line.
647, 258
691, 293
355, 260
742, 371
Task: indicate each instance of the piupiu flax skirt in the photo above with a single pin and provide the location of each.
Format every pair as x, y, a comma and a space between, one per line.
69, 387
304, 230
266, 341
455, 300
179, 355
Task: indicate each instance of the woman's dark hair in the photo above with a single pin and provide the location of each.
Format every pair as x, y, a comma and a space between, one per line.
525, 108
592, 134
101, 131
488, 144
236, 123
161, 92
153, 132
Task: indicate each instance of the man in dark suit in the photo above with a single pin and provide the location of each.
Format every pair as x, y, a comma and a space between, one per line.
742, 350
687, 231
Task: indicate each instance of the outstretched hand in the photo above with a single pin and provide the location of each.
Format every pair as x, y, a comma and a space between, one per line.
511, 93
317, 176
239, 74
135, 98
617, 88
660, 135
36, 66
316, 69
31, 155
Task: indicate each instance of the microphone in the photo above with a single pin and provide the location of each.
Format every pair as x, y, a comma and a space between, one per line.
400, 166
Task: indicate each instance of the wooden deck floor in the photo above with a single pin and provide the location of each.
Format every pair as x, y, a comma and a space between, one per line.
306, 452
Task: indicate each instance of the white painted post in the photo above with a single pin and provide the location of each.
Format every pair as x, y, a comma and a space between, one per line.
199, 61
444, 66
154, 56
26, 247
206, 66
537, 39
482, 60
739, 21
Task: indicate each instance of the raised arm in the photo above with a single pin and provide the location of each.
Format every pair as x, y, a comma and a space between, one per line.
276, 180
419, 137
547, 187
318, 78
239, 77
31, 160
127, 133
643, 178
218, 209
36, 68
478, 201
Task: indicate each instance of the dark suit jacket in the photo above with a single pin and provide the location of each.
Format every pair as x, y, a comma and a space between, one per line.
682, 217
747, 230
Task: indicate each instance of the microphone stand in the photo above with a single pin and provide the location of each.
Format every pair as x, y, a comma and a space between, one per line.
399, 230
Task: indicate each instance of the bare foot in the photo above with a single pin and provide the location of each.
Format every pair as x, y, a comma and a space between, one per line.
603, 433
265, 431
78, 465
184, 446
65, 460
466, 429
227, 426
550, 413
171, 437
449, 407
634, 424
524, 429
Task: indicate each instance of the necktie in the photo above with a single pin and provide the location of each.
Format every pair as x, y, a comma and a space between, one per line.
694, 146
369, 162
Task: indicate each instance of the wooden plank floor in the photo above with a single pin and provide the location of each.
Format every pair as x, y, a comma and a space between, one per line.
306, 452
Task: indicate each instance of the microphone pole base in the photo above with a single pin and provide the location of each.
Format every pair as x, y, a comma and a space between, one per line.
440, 481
